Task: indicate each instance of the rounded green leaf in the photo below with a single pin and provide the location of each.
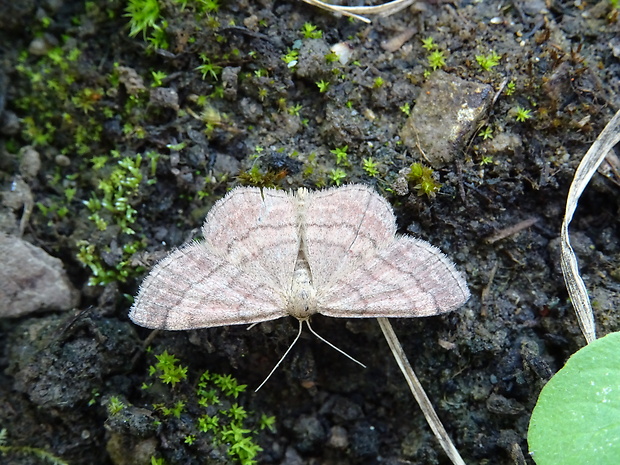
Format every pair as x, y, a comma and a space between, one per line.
576, 420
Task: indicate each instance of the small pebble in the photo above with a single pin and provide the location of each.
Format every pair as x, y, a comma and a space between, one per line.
30, 162
62, 160
41, 45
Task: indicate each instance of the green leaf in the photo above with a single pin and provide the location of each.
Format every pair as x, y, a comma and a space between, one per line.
576, 420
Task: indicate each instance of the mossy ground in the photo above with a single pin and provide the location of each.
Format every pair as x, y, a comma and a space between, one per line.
139, 136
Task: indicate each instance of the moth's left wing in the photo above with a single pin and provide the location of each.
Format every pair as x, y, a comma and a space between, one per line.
343, 226
409, 278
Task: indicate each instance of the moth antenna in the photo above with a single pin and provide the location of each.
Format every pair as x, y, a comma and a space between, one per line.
281, 358
332, 345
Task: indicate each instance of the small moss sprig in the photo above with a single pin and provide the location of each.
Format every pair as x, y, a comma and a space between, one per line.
342, 157
227, 384
486, 133
143, 15
206, 6
207, 68
522, 114
370, 167
511, 87
310, 31
428, 44
267, 422
378, 82
423, 179
291, 57
175, 411
295, 109
147, 17
115, 405
158, 78
488, 61
168, 369
337, 175
436, 59
322, 85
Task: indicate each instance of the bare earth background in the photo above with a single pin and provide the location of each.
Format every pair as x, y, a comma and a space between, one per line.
150, 142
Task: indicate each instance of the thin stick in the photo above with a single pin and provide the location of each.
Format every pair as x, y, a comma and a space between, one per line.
511, 230
418, 392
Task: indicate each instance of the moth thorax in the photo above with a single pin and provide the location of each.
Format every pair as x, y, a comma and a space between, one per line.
302, 297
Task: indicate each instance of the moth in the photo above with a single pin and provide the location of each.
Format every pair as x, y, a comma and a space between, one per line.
268, 253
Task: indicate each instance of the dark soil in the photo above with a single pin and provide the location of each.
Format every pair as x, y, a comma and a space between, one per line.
226, 109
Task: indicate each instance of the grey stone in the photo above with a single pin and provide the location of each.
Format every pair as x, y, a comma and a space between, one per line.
342, 409
133, 82
312, 64
31, 280
30, 162
230, 78
59, 360
496, 403
292, 457
502, 143
338, 438
41, 45
164, 97
226, 165
445, 116
364, 439
309, 433
9, 121
62, 160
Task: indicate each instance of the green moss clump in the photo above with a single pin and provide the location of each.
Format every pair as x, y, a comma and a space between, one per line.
423, 180
207, 413
255, 177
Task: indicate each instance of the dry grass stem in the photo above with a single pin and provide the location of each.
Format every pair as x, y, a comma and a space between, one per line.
385, 9
418, 392
586, 169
